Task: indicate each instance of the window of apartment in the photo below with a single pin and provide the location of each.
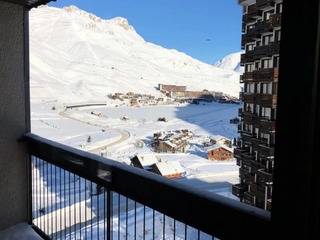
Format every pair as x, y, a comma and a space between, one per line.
276, 60
249, 67
266, 88
258, 65
279, 8
266, 15
277, 35
250, 47
267, 39
266, 112
249, 27
267, 63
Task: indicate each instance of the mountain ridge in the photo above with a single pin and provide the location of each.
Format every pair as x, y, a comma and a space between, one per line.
76, 56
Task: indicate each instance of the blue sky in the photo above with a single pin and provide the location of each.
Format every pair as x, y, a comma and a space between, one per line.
206, 30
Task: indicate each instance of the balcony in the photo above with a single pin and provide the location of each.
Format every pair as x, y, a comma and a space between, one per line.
247, 57
248, 117
269, 50
246, 176
249, 97
275, 20
267, 126
267, 177
257, 190
263, 27
238, 190
266, 75
249, 198
266, 150
75, 194
261, 4
255, 166
267, 100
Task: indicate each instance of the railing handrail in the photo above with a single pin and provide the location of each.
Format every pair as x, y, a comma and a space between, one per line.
200, 209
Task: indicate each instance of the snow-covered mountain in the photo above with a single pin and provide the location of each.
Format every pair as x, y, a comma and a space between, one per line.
230, 62
76, 56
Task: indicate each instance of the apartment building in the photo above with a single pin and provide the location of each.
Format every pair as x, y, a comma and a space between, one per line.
261, 26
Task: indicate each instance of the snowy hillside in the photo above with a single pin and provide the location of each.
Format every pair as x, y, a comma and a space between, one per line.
77, 57
230, 62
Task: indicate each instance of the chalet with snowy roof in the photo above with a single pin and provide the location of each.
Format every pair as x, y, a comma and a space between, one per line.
144, 161
220, 153
169, 169
172, 142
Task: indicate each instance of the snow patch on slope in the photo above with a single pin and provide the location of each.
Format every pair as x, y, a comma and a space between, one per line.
230, 62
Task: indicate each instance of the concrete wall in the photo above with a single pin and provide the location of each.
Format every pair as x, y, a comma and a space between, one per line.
14, 118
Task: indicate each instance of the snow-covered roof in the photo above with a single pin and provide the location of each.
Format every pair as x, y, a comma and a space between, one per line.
220, 146
167, 168
147, 160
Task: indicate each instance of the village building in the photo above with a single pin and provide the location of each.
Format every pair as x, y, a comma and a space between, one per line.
169, 169
144, 161
172, 142
220, 153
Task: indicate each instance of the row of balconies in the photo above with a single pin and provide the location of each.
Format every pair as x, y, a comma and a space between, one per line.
261, 75
260, 27
259, 52
265, 100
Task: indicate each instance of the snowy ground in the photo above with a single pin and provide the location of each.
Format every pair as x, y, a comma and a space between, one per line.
116, 139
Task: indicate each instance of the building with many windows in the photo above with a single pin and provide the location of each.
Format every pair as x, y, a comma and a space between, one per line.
261, 26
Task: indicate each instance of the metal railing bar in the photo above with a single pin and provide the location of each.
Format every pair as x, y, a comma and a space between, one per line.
127, 181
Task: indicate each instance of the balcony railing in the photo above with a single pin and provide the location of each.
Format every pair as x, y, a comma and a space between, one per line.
78, 195
269, 50
249, 198
267, 151
238, 190
267, 100
264, 74
275, 20
257, 190
260, 4
267, 126
267, 177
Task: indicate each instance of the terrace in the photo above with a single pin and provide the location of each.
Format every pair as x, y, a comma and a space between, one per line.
205, 212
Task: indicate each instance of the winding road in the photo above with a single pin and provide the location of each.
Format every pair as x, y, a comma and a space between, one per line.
124, 135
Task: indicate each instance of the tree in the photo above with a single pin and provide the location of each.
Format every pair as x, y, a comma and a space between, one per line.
89, 139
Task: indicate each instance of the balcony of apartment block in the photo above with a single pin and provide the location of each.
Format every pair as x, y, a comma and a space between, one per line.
268, 50
115, 191
239, 189
266, 150
248, 117
249, 97
267, 125
247, 57
261, 4
253, 12
267, 100
248, 198
265, 75
255, 166
249, 37
263, 174
255, 143
246, 176
247, 158
257, 190
263, 27
275, 20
